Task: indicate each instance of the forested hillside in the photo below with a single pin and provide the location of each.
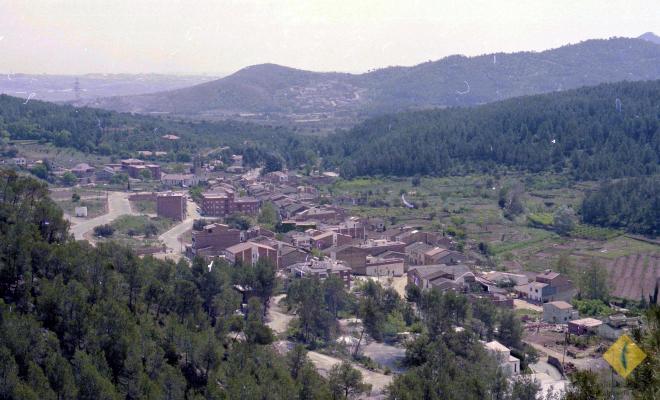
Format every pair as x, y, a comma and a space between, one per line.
607, 131
110, 133
631, 203
271, 92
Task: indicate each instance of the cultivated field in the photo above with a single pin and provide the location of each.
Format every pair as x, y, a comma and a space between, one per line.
634, 276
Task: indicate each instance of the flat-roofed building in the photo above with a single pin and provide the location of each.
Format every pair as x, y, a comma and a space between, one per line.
213, 239
322, 269
558, 312
185, 180
172, 205
379, 266
223, 202
584, 326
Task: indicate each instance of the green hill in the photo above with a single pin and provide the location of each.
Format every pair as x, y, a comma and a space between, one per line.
270, 92
606, 131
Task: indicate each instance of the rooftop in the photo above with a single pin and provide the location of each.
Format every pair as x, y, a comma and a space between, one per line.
497, 346
237, 248
548, 274
177, 176
562, 305
587, 322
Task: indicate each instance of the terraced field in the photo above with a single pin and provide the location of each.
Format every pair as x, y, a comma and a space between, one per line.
634, 275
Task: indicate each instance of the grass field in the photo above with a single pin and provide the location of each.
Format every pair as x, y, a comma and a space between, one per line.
138, 231
144, 206
140, 224
95, 207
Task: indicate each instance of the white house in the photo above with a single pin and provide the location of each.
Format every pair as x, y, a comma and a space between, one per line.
509, 364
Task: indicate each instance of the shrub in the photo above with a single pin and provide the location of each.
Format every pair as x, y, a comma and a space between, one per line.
104, 230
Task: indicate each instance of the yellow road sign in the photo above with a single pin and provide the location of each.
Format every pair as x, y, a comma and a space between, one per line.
624, 356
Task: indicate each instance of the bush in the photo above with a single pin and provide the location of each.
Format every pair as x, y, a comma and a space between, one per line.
104, 230
150, 229
593, 232
199, 224
541, 220
592, 307
69, 179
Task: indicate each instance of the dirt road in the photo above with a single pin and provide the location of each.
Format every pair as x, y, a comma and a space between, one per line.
589, 363
118, 205
278, 321
324, 364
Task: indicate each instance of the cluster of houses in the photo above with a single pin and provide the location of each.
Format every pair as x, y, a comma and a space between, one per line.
562, 312
320, 239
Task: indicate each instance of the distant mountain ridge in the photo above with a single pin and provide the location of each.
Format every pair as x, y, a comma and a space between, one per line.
650, 37
273, 93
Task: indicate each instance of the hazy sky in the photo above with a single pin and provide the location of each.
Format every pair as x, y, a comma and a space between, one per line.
221, 36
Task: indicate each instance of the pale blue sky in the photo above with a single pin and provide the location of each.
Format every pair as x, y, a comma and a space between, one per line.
220, 36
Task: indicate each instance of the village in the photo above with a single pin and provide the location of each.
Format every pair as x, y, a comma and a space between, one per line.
223, 210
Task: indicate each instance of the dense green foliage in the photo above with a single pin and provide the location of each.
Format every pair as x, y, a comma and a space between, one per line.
580, 131
317, 304
633, 204
110, 133
384, 314
78, 322
592, 282
450, 363
608, 131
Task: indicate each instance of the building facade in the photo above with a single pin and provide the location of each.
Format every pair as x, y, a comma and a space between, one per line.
172, 205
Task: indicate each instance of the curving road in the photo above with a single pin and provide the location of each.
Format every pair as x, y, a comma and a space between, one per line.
171, 237
118, 205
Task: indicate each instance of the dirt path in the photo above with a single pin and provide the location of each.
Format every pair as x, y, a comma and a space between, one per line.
118, 205
278, 320
522, 304
324, 364
589, 363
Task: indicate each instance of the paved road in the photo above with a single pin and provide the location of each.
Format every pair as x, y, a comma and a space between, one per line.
118, 205
171, 237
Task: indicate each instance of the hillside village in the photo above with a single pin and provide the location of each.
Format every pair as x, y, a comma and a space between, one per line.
324, 200
220, 210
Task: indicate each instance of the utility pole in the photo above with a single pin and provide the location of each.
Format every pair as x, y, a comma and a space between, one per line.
76, 89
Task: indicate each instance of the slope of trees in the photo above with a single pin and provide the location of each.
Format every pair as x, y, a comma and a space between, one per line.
607, 131
104, 132
78, 322
633, 204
